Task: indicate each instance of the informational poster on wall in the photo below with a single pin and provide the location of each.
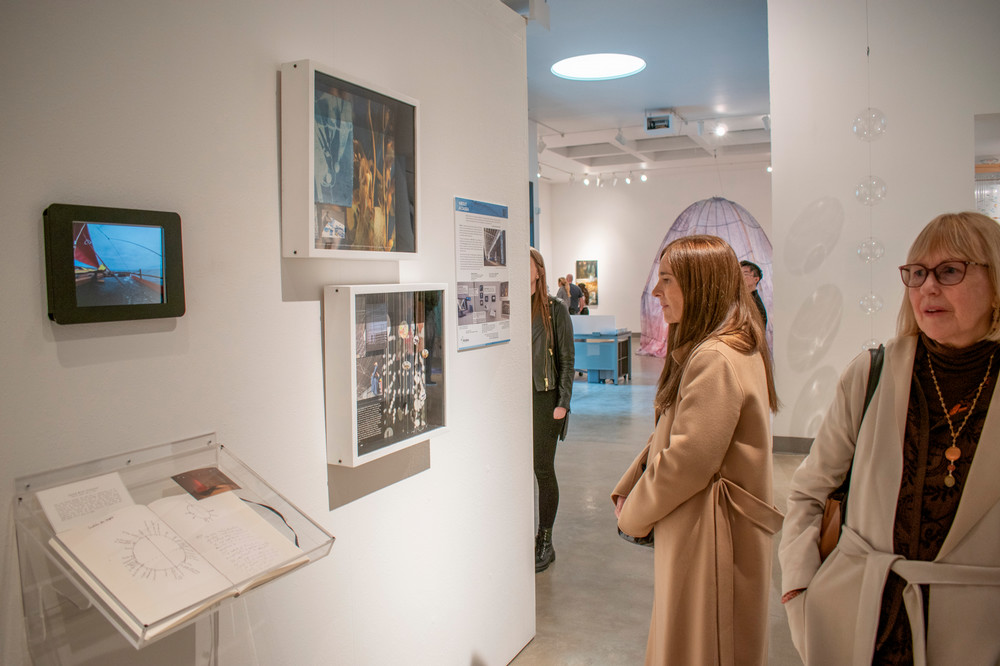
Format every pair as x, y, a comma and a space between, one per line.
483, 290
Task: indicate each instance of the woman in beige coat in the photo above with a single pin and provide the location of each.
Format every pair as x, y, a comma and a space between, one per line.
702, 484
915, 577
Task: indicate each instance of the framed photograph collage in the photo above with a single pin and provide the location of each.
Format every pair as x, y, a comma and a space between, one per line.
348, 163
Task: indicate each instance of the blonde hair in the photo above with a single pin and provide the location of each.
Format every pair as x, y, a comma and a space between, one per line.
717, 304
966, 236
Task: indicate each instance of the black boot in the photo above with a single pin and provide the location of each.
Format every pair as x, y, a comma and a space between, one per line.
545, 554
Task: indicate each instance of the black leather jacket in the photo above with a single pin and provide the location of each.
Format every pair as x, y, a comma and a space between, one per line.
552, 369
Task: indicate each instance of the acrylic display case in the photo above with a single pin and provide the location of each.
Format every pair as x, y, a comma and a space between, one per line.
152, 540
384, 368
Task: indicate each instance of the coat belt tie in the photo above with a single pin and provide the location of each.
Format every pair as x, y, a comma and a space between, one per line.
727, 497
916, 573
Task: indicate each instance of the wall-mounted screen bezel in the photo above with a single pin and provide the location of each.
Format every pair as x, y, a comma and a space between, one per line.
139, 256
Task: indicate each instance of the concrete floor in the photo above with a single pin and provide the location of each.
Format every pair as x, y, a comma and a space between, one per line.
592, 605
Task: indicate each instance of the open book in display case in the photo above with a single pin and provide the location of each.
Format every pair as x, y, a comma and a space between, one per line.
152, 540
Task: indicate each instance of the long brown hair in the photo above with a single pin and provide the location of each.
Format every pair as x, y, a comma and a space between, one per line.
717, 304
540, 296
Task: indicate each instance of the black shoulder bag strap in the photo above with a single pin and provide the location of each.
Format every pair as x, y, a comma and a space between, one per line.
874, 373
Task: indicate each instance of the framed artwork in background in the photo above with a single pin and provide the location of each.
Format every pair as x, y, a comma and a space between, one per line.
586, 275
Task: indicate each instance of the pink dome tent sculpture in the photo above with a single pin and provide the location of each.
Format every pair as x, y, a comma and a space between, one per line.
717, 217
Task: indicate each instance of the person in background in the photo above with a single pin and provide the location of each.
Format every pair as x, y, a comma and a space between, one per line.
915, 577
585, 303
752, 276
552, 357
575, 295
563, 292
703, 482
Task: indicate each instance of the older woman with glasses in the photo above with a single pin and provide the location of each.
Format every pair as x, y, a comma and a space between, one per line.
915, 576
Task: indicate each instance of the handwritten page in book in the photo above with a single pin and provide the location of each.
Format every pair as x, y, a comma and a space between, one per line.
83, 502
229, 534
152, 571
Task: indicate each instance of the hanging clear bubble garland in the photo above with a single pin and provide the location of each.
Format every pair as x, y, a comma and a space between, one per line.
871, 303
871, 250
871, 190
869, 125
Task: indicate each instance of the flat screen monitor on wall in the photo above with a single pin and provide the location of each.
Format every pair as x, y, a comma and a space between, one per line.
112, 264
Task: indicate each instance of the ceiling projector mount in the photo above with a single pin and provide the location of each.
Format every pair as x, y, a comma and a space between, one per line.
661, 122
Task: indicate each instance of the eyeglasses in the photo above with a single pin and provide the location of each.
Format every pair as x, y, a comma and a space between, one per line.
946, 273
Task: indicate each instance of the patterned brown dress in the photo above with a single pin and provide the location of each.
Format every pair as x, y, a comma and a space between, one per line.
926, 507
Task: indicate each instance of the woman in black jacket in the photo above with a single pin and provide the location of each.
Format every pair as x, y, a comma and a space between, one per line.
552, 383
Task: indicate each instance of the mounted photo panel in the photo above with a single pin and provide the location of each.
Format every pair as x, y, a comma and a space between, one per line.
348, 167
384, 357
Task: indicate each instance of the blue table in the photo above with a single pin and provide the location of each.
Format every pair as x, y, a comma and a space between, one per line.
604, 356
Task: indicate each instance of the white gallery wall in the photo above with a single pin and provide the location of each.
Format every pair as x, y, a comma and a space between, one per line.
933, 67
622, 226
174, 106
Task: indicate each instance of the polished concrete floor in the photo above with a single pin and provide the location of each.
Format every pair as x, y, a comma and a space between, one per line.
592, 605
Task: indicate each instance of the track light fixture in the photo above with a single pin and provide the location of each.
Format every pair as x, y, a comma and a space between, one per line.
541, 145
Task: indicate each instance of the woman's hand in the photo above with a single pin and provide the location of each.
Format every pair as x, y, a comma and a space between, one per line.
559, 413
619, 503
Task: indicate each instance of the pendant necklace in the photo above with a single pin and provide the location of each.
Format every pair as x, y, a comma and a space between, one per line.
953, 453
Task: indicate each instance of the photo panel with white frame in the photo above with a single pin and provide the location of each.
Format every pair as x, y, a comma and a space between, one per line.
348, 167
384, 357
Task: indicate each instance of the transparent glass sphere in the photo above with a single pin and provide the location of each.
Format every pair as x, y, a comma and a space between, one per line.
869, 124
871, 190
871, 303
871, 343
871, 250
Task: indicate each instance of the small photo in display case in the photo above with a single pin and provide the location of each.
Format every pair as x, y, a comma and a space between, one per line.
385, 379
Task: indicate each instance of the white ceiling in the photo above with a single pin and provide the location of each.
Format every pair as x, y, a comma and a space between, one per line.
706, 60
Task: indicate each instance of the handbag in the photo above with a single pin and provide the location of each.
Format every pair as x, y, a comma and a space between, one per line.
835, 509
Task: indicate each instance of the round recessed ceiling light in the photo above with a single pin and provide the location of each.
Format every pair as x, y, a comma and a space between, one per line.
598, 67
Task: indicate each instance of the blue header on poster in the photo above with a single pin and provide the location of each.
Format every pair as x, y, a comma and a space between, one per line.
480, 208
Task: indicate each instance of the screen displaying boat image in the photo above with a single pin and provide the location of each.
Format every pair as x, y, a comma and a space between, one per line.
118, 264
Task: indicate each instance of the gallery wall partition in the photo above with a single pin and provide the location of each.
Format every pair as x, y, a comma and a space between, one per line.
174, 108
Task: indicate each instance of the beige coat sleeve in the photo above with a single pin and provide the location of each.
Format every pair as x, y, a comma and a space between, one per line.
822, 471
710, 399
631, 475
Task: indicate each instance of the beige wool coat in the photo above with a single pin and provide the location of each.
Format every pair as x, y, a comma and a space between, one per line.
706, 495
835, 621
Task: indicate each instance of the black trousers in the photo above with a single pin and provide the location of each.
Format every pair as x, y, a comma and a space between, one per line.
546, 435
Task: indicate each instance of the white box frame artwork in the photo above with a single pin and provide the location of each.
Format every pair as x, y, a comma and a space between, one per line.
384, 357
348, 167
